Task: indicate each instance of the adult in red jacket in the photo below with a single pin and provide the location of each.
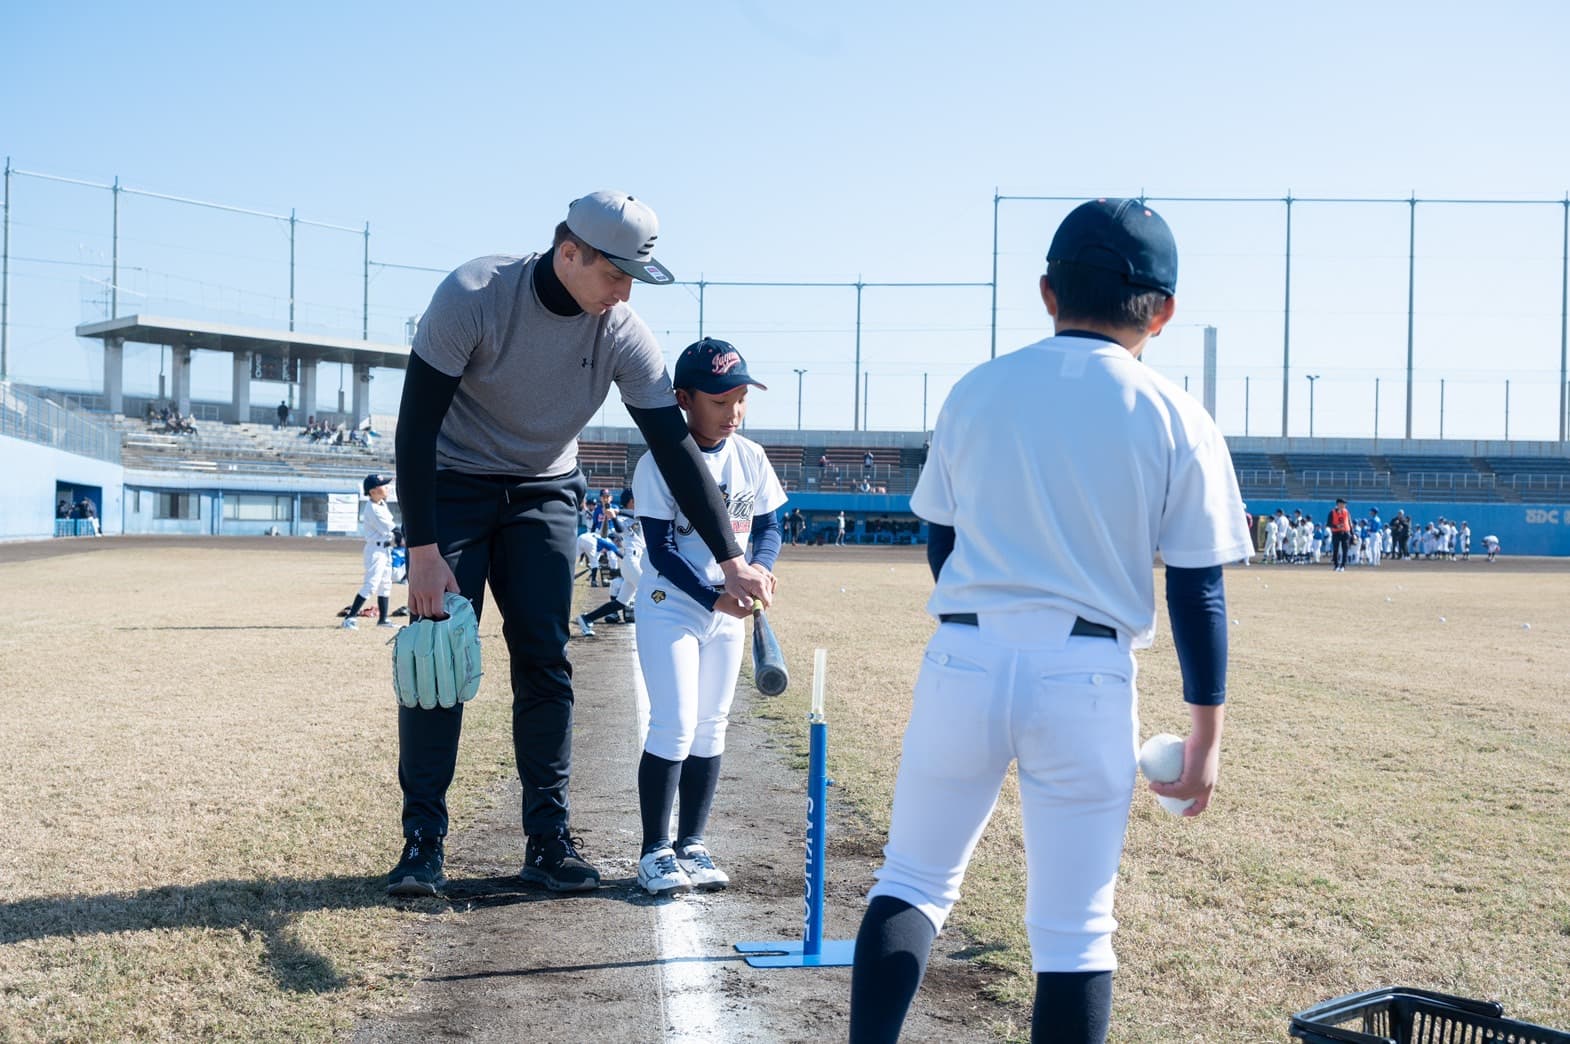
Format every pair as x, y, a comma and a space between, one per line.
1340, 525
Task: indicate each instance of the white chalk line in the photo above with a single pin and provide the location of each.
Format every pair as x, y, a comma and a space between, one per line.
689, 993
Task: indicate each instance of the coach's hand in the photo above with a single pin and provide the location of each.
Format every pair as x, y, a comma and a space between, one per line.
429, 579
745, 581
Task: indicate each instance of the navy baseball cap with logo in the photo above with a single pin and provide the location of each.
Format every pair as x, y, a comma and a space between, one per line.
623, 229
713, 367
375, 479
1122, 236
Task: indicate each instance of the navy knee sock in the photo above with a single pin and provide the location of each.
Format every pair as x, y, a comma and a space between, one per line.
1071, 1008
657, 779
891, 957
354, 610
381, 608
699, 779
612, 606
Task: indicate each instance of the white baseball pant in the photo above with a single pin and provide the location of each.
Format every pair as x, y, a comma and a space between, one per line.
690, 657
1019, 687
625, 587
378, 572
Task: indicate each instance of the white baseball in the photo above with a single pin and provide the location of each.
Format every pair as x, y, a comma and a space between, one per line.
1161, 760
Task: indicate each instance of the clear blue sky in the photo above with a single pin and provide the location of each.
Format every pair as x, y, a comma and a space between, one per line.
821, 142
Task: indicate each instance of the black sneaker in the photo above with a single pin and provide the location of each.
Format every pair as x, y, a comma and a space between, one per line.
552, 860
419, 870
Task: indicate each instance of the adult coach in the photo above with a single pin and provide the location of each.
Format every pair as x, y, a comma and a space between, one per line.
512, 358
1033, 659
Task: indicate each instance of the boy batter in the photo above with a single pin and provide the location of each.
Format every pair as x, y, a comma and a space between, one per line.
376, 527
690, 639
1033, 659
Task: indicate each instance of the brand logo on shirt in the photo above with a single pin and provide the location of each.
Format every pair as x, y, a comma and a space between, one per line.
587, 364
657, 597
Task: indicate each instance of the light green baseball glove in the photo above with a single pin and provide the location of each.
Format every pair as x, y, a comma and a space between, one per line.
436, 663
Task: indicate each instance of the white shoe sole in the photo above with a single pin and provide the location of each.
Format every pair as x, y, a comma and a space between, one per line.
664, 886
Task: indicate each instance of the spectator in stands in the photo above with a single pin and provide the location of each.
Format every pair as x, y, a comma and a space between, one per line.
866, 464
63, 509
865, 487
90, 513
151, 412
283, 413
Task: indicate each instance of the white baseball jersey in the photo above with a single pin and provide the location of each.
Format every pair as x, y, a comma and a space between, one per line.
747, 482
1116, 502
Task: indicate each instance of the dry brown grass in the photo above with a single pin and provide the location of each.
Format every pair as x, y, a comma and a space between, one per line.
1393, 806
199, 778
198, 772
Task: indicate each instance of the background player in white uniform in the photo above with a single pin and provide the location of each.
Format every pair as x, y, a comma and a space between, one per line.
690, 634
376, 527
1033, 659
624, 588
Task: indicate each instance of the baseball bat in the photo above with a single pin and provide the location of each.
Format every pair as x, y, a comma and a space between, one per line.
768, 661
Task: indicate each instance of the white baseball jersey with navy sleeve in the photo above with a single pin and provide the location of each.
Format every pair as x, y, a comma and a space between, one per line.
747, 482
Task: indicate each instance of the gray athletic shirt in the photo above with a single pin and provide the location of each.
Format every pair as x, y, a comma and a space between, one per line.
529, 379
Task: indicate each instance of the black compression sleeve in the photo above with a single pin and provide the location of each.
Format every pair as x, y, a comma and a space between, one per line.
427, 393
1197, 603
696, 494
940, 542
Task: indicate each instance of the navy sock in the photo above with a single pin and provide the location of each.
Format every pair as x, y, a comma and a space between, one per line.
381, 608
1071, 1008
656, 795
699, 778
354, 610
612, 606
891, 958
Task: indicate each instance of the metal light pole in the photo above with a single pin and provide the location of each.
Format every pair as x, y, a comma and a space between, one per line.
866, 388
1312, 377
923, 402
1441, 407
799, 374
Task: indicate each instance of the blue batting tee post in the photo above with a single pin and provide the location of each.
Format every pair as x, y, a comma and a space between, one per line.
813, 951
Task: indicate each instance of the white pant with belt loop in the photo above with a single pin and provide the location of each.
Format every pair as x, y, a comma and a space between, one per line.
1020, 688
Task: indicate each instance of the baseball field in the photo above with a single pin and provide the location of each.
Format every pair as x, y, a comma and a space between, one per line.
198, 773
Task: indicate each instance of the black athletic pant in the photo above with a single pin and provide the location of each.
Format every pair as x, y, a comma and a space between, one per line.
1340, 544
522, 537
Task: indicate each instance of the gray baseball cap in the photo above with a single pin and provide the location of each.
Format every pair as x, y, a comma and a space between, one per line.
623, 229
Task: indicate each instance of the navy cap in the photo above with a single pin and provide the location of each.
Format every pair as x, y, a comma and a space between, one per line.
373, 480
713, 367
1123, 236
626, 497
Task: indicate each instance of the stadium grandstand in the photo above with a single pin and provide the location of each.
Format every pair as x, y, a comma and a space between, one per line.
231, 467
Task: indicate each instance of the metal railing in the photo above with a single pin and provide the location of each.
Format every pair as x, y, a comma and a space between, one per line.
1363, 479
1539, 483
1257, 477
1440, 480
24, 415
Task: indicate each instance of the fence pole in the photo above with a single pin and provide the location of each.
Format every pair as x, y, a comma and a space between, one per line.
856, 419
365, 300
1286, 325
995, 200
292, 223
1564, 312
5, 273
1411, 289
114, 253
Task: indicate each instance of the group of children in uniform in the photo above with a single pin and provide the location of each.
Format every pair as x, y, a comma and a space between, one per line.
1296, 539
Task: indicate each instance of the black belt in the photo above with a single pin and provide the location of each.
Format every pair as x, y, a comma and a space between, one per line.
384, 543
1082, 627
